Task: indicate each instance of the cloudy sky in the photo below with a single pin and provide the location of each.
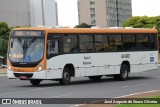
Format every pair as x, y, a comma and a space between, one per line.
68, 15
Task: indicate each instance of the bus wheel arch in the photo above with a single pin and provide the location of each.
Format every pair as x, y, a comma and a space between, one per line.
68, 72
71, 68
124, 71
128, 64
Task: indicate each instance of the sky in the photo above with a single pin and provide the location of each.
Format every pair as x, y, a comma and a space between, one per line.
68, 10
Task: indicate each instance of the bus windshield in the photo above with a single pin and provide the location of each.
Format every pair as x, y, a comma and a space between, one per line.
26, 48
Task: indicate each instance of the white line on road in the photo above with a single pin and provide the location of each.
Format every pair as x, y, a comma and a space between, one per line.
61, 95
136, 85
123, 96
137, 93
77, 105
157, 76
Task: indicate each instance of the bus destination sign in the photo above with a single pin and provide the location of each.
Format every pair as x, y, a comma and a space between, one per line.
27, 33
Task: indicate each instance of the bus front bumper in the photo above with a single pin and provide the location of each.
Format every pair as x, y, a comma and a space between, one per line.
26, 75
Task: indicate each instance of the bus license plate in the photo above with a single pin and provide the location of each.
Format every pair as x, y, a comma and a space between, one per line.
23, 77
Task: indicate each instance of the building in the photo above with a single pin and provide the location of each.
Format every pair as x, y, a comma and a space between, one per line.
15, 12
107, 13
43, 12
28, 12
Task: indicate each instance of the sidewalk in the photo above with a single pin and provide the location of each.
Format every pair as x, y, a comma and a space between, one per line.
3, 70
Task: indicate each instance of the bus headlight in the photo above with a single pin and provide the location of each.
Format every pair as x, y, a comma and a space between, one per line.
40, 68
9, 68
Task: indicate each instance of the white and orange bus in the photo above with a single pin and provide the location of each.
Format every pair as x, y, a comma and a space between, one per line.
38, 54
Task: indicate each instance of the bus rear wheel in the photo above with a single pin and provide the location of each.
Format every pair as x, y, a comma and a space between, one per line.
35, 82
66, 77
94, 77
124, 72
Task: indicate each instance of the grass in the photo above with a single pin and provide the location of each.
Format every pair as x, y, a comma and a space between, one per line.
140, 105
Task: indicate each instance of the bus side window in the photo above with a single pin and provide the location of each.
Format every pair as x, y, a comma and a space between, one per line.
142, 42
152, 41
101, 42
48, 48
70, 43
86, 43
129, 42
52, 46
115, 42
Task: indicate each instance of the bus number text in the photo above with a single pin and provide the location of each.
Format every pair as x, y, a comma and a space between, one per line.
125, 56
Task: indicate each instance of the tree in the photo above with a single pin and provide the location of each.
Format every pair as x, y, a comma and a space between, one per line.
4, 36
143, 22
83, 25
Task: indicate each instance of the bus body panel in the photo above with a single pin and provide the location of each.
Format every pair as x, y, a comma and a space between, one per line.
93, 63
36, 75
102, 64
10, 74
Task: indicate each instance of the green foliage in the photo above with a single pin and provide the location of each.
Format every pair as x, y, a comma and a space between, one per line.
5, 32
83, 25
143, 22
3, 47
4, 36
140, 105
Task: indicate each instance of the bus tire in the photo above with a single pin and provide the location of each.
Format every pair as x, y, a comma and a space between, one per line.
66, 77
35, 82
95, 77
124, 72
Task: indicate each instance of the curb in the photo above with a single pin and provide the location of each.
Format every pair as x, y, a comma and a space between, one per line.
124, 96
130, 95
1, 75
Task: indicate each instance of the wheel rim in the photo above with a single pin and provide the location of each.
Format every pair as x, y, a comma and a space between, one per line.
66, 76
124, 73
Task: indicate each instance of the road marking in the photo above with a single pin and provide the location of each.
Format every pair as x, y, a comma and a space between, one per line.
61, 95
137, 93
77, 105
136, 85
38, 89
122, 96
157, 76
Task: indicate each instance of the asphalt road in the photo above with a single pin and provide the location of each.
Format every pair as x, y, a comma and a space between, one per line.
79, 88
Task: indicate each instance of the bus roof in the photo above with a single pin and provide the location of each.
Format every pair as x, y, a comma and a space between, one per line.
92, 30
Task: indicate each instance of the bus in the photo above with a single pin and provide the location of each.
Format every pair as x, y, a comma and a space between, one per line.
42, 53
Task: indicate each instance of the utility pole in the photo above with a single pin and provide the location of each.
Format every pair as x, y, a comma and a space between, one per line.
117, 13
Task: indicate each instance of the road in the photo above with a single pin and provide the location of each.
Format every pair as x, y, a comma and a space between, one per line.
79, 88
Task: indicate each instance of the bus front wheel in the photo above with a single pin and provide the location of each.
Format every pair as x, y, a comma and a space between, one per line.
35, 82
66, 77
124, 72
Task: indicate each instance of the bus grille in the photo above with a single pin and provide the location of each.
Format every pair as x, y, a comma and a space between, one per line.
19, 74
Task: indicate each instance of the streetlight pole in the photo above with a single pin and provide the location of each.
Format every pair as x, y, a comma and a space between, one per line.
117, 13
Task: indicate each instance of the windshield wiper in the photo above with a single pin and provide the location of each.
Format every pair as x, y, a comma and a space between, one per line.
30, 43
20, 42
